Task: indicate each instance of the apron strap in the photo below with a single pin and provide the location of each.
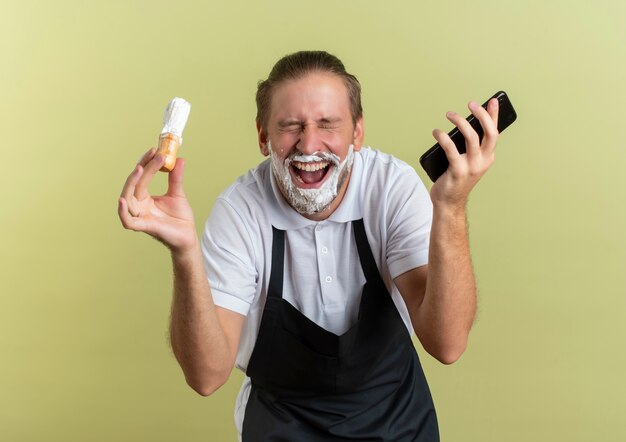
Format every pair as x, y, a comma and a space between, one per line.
368, 263
275, 289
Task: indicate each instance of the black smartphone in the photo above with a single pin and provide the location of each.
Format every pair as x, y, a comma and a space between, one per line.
434, 160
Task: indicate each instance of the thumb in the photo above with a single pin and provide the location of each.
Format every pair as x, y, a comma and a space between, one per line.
175, 179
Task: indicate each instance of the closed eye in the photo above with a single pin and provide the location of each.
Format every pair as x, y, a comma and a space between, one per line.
294, 127
290, 126
329, 123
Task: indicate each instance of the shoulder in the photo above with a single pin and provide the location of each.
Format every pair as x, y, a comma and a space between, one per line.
391, 192
375, 158
249, 189
385, 167
385, 175
397, 210
241, 209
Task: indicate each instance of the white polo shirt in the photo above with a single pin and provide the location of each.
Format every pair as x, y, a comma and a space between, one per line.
323, 277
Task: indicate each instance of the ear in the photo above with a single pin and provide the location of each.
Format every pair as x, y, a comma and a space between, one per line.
262, 136
358, 134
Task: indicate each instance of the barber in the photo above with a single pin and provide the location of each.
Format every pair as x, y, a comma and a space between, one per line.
316, 266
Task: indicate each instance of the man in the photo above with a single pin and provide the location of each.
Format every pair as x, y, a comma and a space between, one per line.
319, 264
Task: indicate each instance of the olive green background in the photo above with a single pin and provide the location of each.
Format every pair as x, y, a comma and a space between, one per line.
85, 304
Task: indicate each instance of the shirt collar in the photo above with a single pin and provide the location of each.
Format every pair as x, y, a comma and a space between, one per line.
284, 217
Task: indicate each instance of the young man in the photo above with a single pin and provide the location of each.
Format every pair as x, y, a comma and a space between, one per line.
316, 266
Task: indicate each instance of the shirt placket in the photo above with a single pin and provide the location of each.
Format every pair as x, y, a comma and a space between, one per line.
325, 263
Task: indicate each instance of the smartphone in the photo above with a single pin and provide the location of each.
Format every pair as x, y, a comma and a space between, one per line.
434, 160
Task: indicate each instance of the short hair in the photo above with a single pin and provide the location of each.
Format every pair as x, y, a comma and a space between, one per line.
297, 65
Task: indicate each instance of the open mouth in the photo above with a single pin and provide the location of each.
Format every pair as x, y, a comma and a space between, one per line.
309, 175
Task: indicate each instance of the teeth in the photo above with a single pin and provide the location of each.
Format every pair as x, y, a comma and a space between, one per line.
310, 167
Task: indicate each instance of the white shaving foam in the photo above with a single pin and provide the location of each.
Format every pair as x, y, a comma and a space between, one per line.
311, 201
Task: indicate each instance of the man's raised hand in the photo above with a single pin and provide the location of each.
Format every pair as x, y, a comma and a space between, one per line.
465, 170
168, 217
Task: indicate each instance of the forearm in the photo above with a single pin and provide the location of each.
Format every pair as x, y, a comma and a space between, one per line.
197, 337
447, 312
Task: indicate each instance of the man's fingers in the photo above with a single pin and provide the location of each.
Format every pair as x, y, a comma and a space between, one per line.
153, 166
131, 182
175, 179
146, 157
137, 224
493, 109
472, 141
473, 144
129, 186
446, 143
129, 221
489, 126
486, 119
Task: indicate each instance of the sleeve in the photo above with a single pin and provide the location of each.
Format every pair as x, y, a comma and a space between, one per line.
229, 258
409, 218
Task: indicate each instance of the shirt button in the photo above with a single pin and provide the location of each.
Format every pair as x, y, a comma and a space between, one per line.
329, 279
324, 250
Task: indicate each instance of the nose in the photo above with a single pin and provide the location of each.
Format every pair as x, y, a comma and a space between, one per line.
310, 141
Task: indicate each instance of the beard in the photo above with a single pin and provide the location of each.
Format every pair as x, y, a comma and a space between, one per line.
311, 201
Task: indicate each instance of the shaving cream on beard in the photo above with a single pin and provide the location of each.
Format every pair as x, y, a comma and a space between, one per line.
311, 201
